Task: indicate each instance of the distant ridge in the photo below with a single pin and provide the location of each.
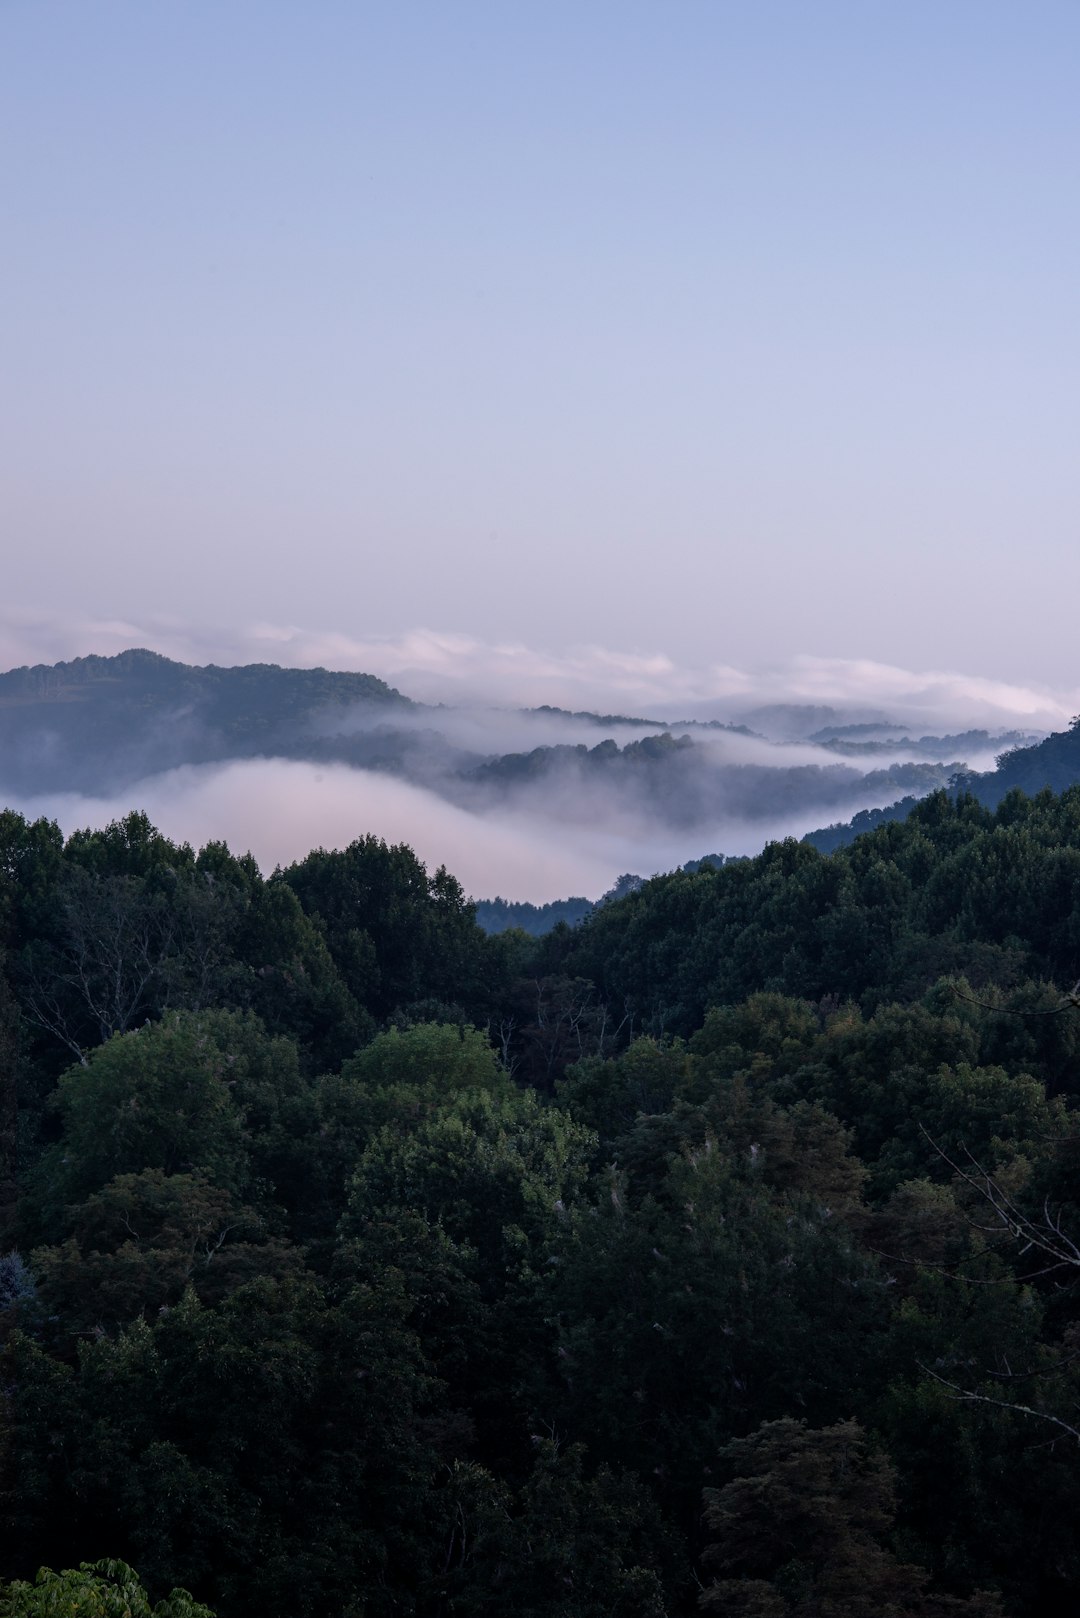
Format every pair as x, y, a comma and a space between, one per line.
98, 723
98, 726
1053, 763
150, 672
500, 915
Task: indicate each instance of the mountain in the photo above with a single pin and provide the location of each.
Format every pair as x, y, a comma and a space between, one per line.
96, 726
1053, 763
100, 723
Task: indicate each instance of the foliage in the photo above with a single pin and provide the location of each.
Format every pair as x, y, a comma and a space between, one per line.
107, 1589
802, 1526
364, 1264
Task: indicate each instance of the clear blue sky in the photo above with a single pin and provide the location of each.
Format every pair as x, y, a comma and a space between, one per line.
728, 330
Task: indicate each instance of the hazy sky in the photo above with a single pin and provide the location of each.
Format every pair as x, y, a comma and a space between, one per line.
731, 332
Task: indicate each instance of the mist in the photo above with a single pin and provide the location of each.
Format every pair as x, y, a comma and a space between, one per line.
280, 809
444, 667
535, 803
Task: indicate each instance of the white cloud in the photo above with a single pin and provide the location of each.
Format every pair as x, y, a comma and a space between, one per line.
442, 666
933, 694
279, 810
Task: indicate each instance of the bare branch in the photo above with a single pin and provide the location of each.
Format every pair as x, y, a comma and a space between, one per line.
968, 1394
1048, 1236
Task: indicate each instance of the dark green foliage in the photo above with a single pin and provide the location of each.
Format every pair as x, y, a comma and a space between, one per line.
955, 889
802, 1527
106, 1589
705, 1304
367, 1265
155, 1099
1052, 765
143, 1239
564, 1543
396, 935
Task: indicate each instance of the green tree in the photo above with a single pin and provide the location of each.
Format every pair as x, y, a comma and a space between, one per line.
802, 1528
465, 1205
140, 1241
106, 1589
566, 1544
396, 934
700, 1306
157, 1098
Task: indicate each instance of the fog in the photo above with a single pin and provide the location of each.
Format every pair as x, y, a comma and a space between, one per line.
436, 666
488, 730
454, 780
280, 809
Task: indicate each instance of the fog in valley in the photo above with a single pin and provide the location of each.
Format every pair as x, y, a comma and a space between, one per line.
279, 809
527, 774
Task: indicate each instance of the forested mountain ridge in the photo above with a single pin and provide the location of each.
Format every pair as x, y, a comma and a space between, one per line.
1050, 764
955, 745
232, 695
99, 725
681, 782
368, 1263
1054, 763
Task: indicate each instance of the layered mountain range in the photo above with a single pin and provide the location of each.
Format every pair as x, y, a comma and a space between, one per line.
99, 725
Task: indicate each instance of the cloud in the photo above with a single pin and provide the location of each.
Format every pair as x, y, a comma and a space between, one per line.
539, 843
440, 666
931, 695
279, 810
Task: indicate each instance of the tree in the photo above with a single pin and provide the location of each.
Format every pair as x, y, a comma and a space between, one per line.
141, 1240
99, 974
700, 1304
106, 1589
157, 1098
396, 934
802, 1528
567, 1544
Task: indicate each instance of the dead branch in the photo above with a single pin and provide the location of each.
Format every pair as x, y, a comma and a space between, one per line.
1047, 1236
969, 1395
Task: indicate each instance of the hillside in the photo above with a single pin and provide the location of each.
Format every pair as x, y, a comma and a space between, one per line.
96, 724
1052, 764
548, 1251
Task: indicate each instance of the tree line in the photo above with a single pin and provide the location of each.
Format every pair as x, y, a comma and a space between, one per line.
718, 1254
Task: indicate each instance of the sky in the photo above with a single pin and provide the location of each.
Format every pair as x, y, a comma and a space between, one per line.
695, 334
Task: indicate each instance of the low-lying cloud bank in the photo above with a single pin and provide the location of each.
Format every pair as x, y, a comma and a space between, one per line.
462, 784
443, 667
280, 809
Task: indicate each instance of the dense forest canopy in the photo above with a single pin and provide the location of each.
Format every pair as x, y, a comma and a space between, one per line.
1053, 762
717, 1253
